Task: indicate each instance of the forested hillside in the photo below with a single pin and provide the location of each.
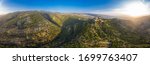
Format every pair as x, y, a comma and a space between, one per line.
55, 30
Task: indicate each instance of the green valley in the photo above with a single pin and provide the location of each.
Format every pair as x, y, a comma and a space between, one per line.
38, 29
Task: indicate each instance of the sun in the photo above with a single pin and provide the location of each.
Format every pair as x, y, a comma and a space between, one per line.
135, 9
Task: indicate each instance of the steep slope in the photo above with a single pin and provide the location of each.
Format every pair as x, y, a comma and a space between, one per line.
28, 29
144, 28
45, 29
87, 33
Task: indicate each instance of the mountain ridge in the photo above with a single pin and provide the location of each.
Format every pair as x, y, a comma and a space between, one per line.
47, 29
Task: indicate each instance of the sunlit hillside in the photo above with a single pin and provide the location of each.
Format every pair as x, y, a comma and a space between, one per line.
46, 29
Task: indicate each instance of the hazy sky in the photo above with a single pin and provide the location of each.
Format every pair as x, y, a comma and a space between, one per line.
63, 5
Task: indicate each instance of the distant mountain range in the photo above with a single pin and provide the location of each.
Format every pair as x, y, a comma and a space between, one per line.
74, 30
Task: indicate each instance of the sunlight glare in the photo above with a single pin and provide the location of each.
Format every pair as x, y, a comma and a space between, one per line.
2, 8
134, 9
